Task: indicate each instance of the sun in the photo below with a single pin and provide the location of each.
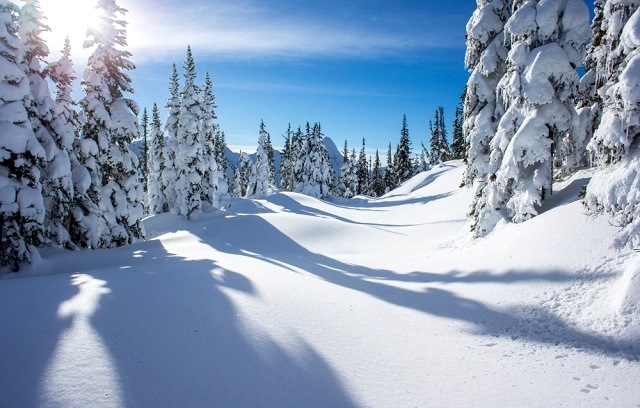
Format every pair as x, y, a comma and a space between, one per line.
69, 18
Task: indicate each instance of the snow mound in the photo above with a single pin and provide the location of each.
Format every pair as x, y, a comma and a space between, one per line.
626, 301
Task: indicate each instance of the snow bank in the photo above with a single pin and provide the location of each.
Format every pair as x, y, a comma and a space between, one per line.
626, 302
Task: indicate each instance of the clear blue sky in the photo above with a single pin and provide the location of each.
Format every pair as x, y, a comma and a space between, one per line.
356, 66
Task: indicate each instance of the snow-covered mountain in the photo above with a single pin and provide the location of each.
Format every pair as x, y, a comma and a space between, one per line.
292, 301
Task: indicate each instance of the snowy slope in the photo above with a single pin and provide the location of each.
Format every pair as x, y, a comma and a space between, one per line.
291, 302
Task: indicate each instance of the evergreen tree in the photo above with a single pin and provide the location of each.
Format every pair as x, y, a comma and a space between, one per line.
110, 121
402, 165
272, 160
536, 137
55, 171
170, 172
439, 147
485, 58
212, 177
348, 176
286, 166
389, 173
156, 200
242, 176
263, 175
314, 173
22, 209
223, 162
363, 171
615, 57
190, 162
377, 178
144, 154
62, 192
458, 150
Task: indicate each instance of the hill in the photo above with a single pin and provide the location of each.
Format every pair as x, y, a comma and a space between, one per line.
292, 301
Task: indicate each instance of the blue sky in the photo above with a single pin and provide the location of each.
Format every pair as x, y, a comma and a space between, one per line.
355, 66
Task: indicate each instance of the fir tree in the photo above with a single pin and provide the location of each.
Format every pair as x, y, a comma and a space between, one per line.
21, 210
110, 121
190, 163
272, 160
263, 175
286, 166
144, 153
377, 178
212, 177
363, 171
156, 200
439, 147
314, 173
170, 172
223, 161
615, 58
389, 173
62, 192
458, 150
348, 177
402, 164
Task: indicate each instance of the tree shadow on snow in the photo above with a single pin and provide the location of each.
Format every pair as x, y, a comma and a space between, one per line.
270, 245
173, 338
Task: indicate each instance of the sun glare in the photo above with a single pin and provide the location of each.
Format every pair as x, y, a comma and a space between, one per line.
68, 18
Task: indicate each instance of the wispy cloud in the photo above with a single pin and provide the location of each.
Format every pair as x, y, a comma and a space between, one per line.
245, 29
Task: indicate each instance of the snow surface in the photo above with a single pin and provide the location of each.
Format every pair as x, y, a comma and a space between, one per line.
289, 301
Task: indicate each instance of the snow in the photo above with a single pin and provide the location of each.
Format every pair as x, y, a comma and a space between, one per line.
293, 301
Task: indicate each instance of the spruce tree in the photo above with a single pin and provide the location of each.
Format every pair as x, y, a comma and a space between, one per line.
21, 210
263, 175
363, 171
189, 160
286, 166
536, 138
402, 165
389, 173
62, 192
156, 200
314, 173
170, 172
144, 153
439, 147
458, 150
272, 160
212, 177
377, 178
615, 58
111, 122
223, 162
348, 177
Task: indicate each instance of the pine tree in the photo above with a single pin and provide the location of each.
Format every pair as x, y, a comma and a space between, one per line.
377, 178
110, 121
212, 178
272, 160
439, 147
402, 165
242, 176
223, 162
389, 173
348, 177
458, 150
170, 172
156, 200
314, 173
615, 57
536, 136
62, 191
144, 154
22, 209
286, 166
190, 163
263, 175
363, 171
55, 172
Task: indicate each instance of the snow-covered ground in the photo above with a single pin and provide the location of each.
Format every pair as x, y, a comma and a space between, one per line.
295, 302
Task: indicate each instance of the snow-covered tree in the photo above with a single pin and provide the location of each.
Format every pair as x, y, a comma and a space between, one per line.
156, 200
287, 164
348, 177
537, 135
263, 175
223, 162
377, 186
485, 58
389, 173
314, 173
110, 121
212, 177
144, 153
272, 160
615, 187
21, 205
189, 160
402, 163
439, 146
242, 176
362, 171
50, 131
458, 150
170, 171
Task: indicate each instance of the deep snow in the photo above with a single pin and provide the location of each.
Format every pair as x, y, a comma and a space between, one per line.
294, 302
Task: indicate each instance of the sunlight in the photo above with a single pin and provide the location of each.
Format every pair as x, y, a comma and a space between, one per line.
68, 18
